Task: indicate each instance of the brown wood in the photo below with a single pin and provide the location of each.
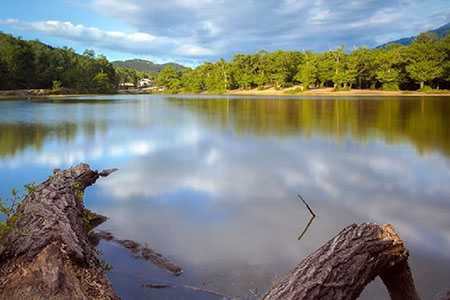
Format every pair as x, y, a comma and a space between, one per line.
48, 254
343, 267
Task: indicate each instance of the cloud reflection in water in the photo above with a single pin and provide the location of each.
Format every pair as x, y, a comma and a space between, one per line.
212, 183
240, 208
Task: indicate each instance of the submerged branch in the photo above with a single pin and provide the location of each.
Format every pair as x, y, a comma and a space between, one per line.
141, 252
307, 206
313, 215
188, 287
306, 228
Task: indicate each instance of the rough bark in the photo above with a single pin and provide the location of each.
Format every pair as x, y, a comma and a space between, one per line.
342, 267
48, 255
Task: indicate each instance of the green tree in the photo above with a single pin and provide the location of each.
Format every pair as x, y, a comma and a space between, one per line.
127, 75
56, 86
307, 71
260, 61
243, 71
344, 75
325, 68
170, 78
214, 77
387, 66
17, 62
102, 83
282, 66
192, 81
444, 49
361, 61
424, 60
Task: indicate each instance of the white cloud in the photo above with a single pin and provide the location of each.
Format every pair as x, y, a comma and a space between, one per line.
136, 43
207, 29
211, 28
193, 50
140, 37
247, 26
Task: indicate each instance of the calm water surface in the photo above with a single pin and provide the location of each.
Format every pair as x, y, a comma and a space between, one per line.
211, 182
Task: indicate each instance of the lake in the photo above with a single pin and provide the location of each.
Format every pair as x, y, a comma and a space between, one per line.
212, 181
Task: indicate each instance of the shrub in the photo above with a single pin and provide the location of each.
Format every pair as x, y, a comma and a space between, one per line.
426, 88
56, 86
9, 208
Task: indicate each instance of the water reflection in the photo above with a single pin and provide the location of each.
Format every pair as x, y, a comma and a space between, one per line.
423, 121
241, 208
16, 137
213, 183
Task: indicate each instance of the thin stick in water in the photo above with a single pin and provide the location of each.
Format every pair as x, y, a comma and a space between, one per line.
307, 206
159, 286
313, 215
306, 228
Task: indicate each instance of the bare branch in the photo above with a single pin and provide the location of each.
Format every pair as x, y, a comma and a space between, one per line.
306, 228
307, 206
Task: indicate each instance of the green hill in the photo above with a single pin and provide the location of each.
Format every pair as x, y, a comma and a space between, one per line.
441, 31
145, 65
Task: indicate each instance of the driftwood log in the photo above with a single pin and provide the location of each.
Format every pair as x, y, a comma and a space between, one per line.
48, 255
343, 267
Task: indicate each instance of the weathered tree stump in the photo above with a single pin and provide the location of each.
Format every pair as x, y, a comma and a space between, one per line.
343, 267
48, 255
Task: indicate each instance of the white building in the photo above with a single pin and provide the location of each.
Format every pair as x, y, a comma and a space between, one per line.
145, 82
126, 85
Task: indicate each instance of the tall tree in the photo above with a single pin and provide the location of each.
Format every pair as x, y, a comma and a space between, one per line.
169, 77
192, 80
325, 68
424, 60
281, 67
387, 62
361, 60
260, 62
444, 49
307, 70
243, 71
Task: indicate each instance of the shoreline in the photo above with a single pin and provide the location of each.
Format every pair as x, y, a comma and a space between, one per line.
324, 92
331, 92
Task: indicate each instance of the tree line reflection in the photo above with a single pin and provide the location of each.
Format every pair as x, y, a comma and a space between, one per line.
17, 137
423, 122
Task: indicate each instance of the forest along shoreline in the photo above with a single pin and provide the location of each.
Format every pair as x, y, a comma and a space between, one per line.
422, 66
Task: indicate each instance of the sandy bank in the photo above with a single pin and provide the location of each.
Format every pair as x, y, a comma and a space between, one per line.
329, 92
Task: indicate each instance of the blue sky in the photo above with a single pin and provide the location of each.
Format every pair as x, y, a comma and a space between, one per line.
193, 31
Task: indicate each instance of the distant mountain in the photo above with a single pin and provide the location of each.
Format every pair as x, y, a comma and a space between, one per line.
407, 41
145, 65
